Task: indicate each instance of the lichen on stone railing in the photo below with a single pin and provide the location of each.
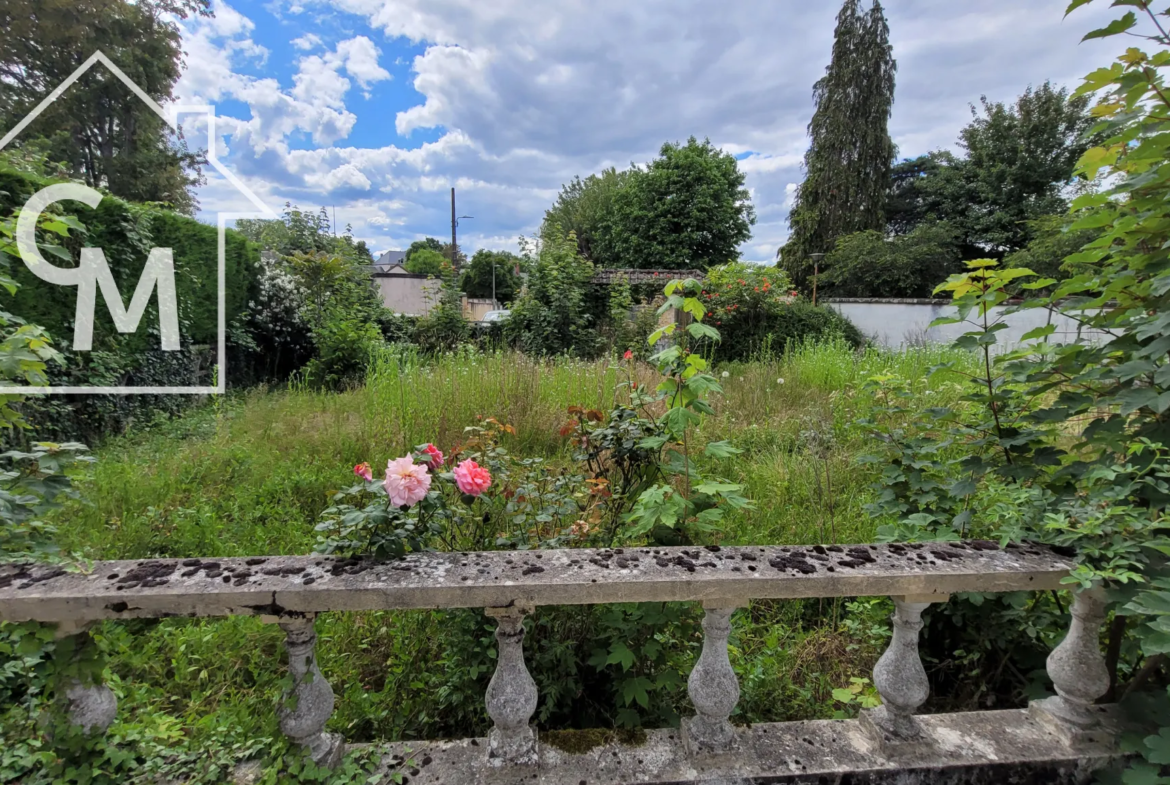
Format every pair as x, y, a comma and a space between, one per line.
291, 591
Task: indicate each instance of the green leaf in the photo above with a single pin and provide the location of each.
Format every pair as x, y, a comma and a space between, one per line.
720, 449
56, 250
694, 308
1116, 27
1158, 747
962, 488
636, 689
1074, 5
678, 419
660, 332
700, 330
620, 654
712, 488
1094, 199
1039, 332
1152, 603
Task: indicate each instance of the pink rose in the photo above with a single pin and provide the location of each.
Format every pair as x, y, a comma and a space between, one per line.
406, 482
364, 471
434, 455
471, 478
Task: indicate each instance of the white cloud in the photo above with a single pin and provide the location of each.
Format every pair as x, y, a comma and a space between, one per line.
524, 100
360, 58
307, 41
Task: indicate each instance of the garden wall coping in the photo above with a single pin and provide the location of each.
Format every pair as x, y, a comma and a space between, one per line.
1003, 747
291, 586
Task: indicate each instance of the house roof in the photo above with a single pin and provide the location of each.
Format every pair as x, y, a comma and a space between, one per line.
608, 275
390, 258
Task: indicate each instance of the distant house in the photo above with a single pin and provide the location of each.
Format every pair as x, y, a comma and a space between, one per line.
390, 259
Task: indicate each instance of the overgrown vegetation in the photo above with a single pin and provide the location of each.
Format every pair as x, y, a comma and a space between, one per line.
1070, 443
254, 477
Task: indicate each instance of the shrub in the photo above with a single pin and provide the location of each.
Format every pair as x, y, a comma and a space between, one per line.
476, 280
344, 346
551, 315
126, 232
757, 313
868, 264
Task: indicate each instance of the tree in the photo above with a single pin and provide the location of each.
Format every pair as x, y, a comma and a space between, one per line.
583, 207
99, 128
551, 316
294, 231
427, 261
319, 275
477, 277
1052, 243
460, 258
870, 264
418, 245
1017, 167
1019, 161
915, 194
687, 209
847, 166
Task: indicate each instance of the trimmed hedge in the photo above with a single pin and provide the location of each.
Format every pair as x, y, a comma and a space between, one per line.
127, 232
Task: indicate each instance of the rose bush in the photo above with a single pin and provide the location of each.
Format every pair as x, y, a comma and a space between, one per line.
404, 512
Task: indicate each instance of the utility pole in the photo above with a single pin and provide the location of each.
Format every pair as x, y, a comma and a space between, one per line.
495, 304
453, 245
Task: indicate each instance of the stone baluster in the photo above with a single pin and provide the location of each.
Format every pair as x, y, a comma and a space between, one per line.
89, 705
712, 685
305, 710
1080, 676
511, 694
901, 680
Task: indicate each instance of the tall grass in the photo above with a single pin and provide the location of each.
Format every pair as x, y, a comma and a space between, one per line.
250, 476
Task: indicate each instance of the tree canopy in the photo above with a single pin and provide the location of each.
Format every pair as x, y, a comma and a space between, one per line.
687, 209
1017, 166
847, 166
102, 132
477, 277
427, 261
1002, 195
302, 231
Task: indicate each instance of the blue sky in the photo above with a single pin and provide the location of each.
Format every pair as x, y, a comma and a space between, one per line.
376, 108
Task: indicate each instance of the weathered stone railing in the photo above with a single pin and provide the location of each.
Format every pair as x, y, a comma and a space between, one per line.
1065, 733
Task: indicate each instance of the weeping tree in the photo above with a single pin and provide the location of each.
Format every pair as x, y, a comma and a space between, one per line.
847, 166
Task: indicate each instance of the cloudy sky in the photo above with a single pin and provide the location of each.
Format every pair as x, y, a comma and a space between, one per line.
376, 108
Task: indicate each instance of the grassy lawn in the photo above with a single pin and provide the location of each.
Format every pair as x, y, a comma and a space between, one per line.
249, 476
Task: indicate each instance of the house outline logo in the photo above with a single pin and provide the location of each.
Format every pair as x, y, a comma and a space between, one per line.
156, 267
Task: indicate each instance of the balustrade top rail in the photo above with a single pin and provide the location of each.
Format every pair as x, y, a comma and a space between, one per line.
289, 586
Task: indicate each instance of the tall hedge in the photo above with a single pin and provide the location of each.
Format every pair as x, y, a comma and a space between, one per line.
127, 232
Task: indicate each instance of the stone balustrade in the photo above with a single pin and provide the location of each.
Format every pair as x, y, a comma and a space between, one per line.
1063, 738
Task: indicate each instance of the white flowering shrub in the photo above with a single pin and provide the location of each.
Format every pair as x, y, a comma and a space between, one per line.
275, 328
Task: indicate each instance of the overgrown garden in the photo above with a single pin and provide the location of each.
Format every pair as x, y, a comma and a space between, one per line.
586, 422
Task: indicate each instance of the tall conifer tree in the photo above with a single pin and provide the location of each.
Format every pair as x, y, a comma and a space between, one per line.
847, 166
